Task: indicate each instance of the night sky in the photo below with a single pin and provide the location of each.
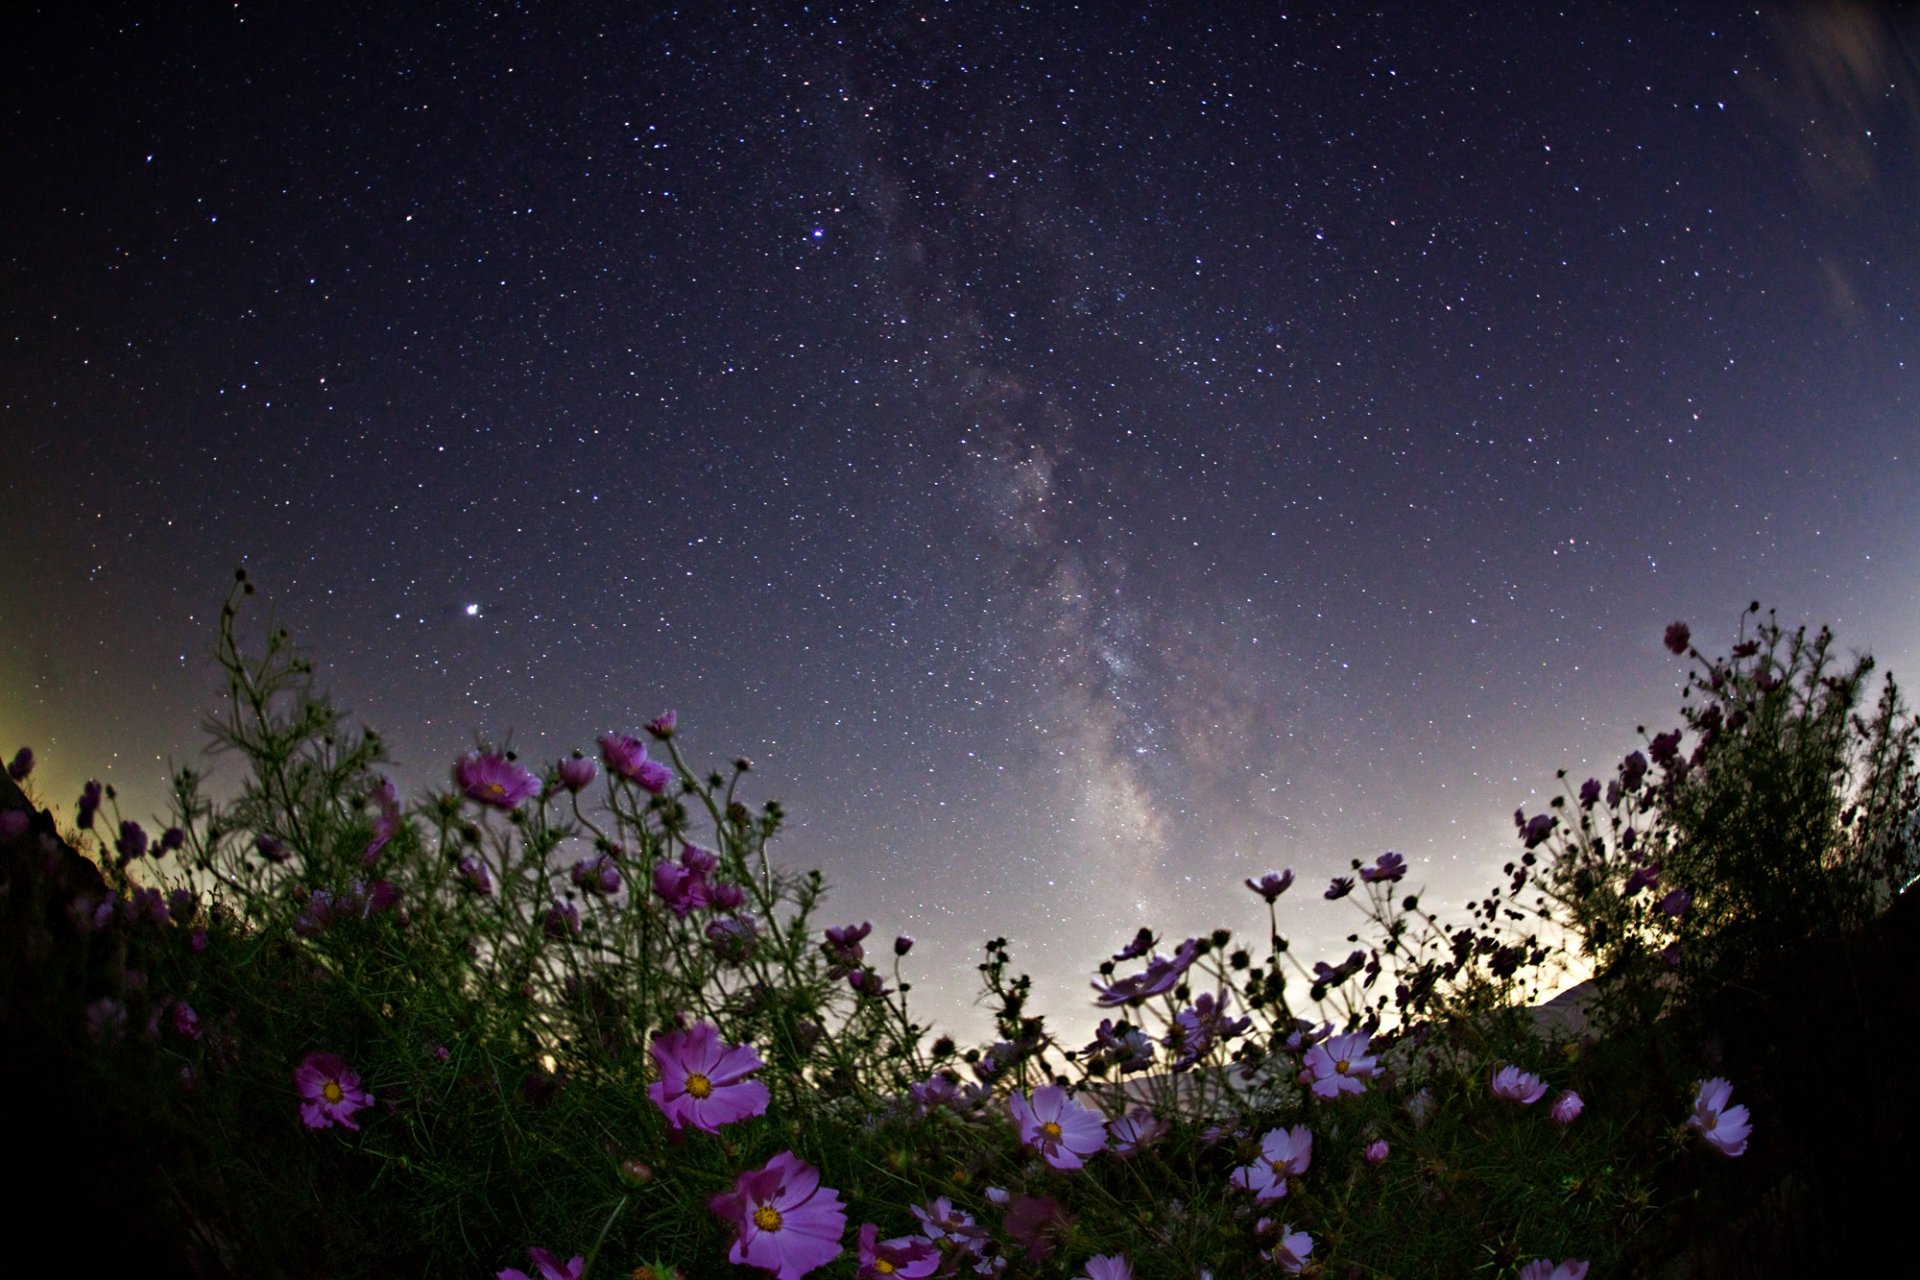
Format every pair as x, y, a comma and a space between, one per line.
1085, 455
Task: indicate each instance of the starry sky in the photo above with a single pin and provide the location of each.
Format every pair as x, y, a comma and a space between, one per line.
1085, 455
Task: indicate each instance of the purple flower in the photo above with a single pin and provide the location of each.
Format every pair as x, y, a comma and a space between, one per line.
1339, 1065
577, 773
1633, 771
1675, 904
1589, 793
1566, 1108
947, 1226
21, 765
329, 1092
627, 757
908, 1257
562, 922
132, 842
183, 905
1059, 1128
843, 944
493, 780
1107, 1266
272, 848
1340, 888
1515, 1085
1377, 1151
662, 725
902, 944
1640, 878
1676, 640
703, 1082
681, 889
598, 874
1283, 1153
548, 1267
1272, 885
475, 873
1133, 1132
784, 1221
88, 806
1538, 828
1391, 867
1543, 1268
1142, 943
1161, 975
106, 1020
1725, 1128
1292, 1250
388, 822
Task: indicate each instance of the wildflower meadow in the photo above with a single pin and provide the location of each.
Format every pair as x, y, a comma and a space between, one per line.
572, 1018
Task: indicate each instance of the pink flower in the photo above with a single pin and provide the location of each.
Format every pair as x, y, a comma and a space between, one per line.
1724, 1128
681, 889
784, 1221
1543, 1269
1519, 1086
1292, 1250
1377, 1151
1132, 1132
1060, 1129
330, 1093
1282, 1152
494, 780
1271, 885
908, 1257
1108, 1266
628, 758
577, 773
389, 821
1161, 975
548, 1266
1566, 1108
703, 1082
475, 873
662, 725
1339, 1065
947, 1226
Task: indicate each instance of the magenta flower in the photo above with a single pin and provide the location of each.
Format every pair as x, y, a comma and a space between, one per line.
1108, 1266
1377, 1151
1161, 975
662, 725
946, 1226
908, 1257
329, 1092
1543, 1269
1131, 1133
1283, 1152
1271, 885
1724, 1128
494, 780
681, 889
548, 1267
1391, 867
1292, 1250
598, 874
388, 822
628, 758
1060, 1129
1518, 1086
475, 873
1566, 1108
577, 773
704, 1083
784, 1221
1339, 1065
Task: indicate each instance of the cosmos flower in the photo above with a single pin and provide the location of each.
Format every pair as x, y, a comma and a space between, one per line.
1543, 1269
681, 889
1283, 1152
330, 1093
947, 1226
21, 765
1133, 1132
1724, 1128
1676, 640
1339, 888
1675, 904
493, 780
908, 1257
1391, 867
89, 804
387, 824
1339, 1065
1377, 1151
1292, 1250
704, 1083
577, 773
1161, 975
1060, 1129
627, 757
662, 725
475, 873
1108, 1266
598, 874
547, 1267
784, 1221
1272, 885
1566, 1108
1519, 1086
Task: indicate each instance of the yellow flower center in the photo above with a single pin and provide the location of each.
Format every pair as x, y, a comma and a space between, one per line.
767, 1218
332, 1091
1712, 1120
884, 1267
494, 788
1051, 1129
1341, 1066
698, 1085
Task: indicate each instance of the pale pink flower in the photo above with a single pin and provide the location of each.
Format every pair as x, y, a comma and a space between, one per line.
1108, 1266
1062, 1130
1377, 1151
1339, 1065
1543, 1269
1283, 1152
1725, 1128
1566, 1108
1132, 1132
1293, 1249
1515, 1085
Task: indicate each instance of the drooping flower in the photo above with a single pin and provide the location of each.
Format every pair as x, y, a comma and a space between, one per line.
1566, 1108
547, 1267
1391, 867
628, 758
784, 1221
1377, 1151
1133, 1132
1271, 885
1340, 1064
908, 1257
1107, 1266
491, 779
703, 1082
1724, 1128
1059, 1128
1283, 1153
1291, 1251
329, 1092
1515, 1085
1543, 1269
387, 824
